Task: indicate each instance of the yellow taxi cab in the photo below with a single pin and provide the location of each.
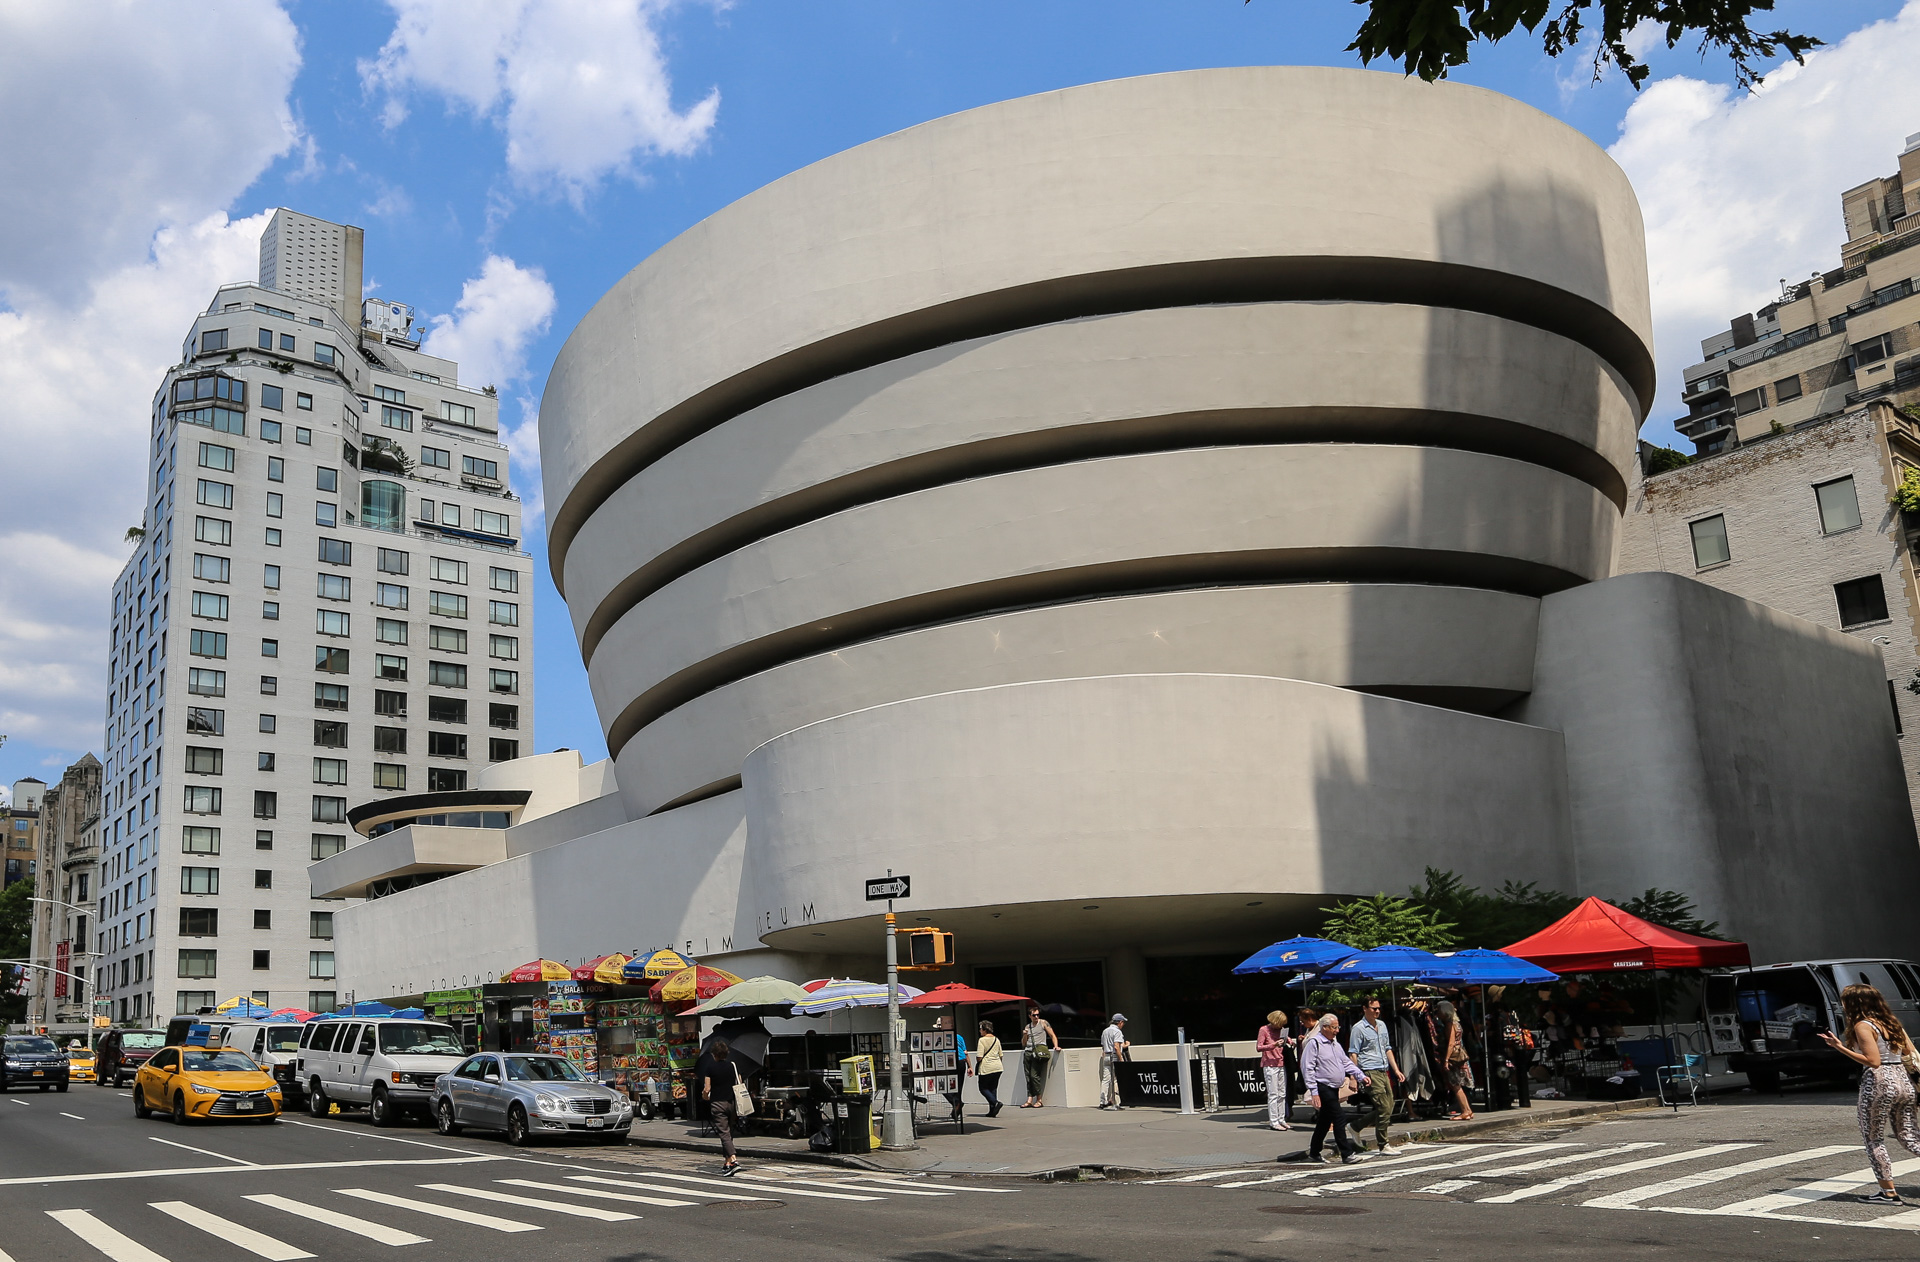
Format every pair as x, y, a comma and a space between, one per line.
200, 1083
80, 1063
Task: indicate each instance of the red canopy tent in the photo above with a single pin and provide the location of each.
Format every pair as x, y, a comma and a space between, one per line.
1597, 937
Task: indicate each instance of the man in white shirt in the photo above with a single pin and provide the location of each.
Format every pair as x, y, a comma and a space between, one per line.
1113, 1047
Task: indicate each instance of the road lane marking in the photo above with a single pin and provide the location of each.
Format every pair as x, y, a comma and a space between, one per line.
1631, 1197
1401, 1171
258, 1243
528, 1202
204, 1152
440, 1211
659, 1187
1402, 1165
102, 1237
875, 1182
1447, 1186
358, 1226
1819, 1190
23, 1104
538, 1186
790, 1191
75, 1116
109, 1176
776, 1180
1607, 1172
373, 1134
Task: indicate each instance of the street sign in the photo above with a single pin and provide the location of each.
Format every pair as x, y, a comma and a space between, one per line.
880, 888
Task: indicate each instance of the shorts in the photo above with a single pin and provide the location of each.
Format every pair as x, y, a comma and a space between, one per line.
1460, 1074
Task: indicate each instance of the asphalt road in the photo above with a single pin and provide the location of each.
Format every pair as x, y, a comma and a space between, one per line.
82, 1180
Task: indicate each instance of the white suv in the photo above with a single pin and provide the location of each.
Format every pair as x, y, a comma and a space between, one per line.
388, 1064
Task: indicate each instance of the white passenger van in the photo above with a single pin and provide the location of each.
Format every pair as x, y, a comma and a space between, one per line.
388, 1064
1768, 1019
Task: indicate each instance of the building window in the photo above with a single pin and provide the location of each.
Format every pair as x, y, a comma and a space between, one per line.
264, 762
266, 804
330, 734
325, 479
186, 1003
269, 723
391, 394
263, 878
332, 622
320, 924
435, 458
506, 716
205, 722
330, 696
324, 354
199, 922
396, 418
336, 552
383, 505
1750, 400
194, 840
214, 456
204, 760
389, 740
210, 605
325, 514
273, 397
206, 683
1710, 541
328, 810
1861, 601
213, 530
262, 840
213, 494
319, 964
458, 413
304, 402
329, 771
201, 800
270, 430
445, 780
266, 339
503, 613
198, 963
388, 666
326, 845
506, 681
390, 595
491, 523
442, 570
1873, 350
212, 340
270, 578
449, 514
499, 750
391, 705
474, 467
332, 661
426, 511
446, 605
389, 631
321, 1000
447, 639
199, 880
503, 580
505, 647
389, 775
1893, 699
262, 960
446, 745
447, 674
1839, 506
273, 536
391, 561
276, 504
446, 710
1786, 388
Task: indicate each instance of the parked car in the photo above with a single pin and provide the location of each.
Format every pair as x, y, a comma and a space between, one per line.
122, 1052
200, 1083
275, 1044
80, 1063
387, 1064
529, 1096
1768, 1020
32, 1060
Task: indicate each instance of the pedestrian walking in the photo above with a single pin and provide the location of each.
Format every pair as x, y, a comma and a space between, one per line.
1038, 1043
1272, 1043
1327, 1069
1113, 1050
719, 1076
1372, 1051
1880, 1045
989, 1068
1456, 1060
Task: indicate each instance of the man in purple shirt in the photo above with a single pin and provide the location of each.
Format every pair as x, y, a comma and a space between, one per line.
1324, 1066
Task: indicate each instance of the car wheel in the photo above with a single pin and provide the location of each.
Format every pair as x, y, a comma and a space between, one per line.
1764, 1080
179, 1108
380, 1108
61, 1088
519, 1134
316, 1099
140, 1109
443, 1119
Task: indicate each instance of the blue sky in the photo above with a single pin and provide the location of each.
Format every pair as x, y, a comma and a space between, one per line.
147, 139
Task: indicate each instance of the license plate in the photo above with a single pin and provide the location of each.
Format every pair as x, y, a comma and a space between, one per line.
595, 1123
244, 1106
39, 1073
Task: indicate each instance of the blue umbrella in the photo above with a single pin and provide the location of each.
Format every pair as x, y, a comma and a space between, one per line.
409, 1013
1478, 966
1388, 963
1308, 955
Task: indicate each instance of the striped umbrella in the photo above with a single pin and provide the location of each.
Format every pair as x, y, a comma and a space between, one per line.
835, 996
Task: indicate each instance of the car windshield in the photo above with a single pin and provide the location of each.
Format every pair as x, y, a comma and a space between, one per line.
283, 1038
79, 1053
31, 1046
142, 1040
542, 1069
224, 1061
420, 1040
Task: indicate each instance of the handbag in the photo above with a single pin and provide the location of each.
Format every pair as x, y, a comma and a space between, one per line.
742, 1099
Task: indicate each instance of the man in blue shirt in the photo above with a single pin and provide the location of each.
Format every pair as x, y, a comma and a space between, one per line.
1372, 1050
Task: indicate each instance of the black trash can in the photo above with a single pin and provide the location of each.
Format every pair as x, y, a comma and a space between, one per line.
852, 1123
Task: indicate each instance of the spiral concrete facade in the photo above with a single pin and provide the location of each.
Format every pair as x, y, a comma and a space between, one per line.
1149, 497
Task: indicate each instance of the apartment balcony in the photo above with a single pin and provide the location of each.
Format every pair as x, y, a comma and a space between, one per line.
1706, 424
1705, 388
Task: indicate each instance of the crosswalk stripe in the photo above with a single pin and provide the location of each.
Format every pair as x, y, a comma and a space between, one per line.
1446, 1186
1819, 1190
863, 1182
1631, 1197
438, 1211
376, 1232
819, 1183
789, 1191
1203, 1177
1401, 1171
594, 1192
507, 1198
257, 1243
659, 1187
1416, 1164
102, 1237
1607, 1172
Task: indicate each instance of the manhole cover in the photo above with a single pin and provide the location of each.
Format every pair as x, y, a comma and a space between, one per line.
1310, 1211
746, 1205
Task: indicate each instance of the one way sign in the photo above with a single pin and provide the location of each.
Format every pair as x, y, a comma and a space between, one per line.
884, 887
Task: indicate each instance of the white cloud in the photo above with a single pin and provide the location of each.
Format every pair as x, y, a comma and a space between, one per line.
579, 86
1740, 190
500, 312
122, 117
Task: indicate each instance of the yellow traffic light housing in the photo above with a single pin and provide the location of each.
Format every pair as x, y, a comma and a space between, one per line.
926, 949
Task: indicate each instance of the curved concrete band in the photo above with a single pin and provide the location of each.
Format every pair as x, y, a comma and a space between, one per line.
1252, 184
1468, 648
1151, 380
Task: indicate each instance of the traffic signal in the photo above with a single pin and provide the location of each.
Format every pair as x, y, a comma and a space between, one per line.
927, 948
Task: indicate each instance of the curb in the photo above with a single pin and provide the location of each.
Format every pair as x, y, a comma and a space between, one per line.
1506, 1121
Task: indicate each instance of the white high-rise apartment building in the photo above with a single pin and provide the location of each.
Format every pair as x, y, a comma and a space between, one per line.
330, 606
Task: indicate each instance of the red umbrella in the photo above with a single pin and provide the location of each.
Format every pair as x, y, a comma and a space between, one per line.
959, 992
817, 983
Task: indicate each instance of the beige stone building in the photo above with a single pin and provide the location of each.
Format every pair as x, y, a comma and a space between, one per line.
20, 823
1832, 341
67, 875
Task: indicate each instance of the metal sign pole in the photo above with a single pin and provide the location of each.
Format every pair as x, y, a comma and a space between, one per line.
896, 1127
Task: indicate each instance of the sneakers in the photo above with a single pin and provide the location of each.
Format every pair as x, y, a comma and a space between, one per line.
730, 1169
1883, 1197
1314, 1158
1353, 1159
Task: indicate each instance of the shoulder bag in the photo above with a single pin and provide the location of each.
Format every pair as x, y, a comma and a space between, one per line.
742, 1098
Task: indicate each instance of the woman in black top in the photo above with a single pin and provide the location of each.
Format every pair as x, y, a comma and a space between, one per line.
718, 1074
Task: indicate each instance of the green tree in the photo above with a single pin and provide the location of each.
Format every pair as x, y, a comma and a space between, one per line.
1671, 909
1365, 923
16, 939
1491, 920
1431, 37
1665, 460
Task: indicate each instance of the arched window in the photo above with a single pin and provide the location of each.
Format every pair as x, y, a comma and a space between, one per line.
383, 504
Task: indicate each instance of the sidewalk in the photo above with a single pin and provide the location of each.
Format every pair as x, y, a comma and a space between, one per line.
1065, 1143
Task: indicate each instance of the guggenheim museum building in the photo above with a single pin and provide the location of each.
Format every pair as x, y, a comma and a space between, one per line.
1142, 514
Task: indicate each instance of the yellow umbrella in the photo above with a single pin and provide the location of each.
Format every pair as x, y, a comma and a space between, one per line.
605, 968
655, 965
538, 971
699, 982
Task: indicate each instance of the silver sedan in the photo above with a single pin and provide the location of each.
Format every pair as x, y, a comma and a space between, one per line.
529, 1095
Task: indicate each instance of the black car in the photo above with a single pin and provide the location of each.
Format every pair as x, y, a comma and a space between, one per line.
32, 1060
